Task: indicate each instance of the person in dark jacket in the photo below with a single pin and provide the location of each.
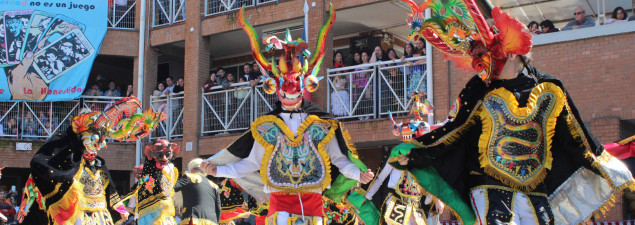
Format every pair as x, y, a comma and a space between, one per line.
200, 196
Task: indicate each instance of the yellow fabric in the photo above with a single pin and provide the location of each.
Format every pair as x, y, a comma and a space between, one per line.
293, 219
295, 140
521, 113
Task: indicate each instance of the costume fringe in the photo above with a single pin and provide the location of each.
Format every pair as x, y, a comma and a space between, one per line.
626, 141
70, 199
165, 208
194, 177
348, 139
294, 140
522, 113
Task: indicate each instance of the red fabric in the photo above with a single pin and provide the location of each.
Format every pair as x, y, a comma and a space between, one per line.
621, 151
230, 215
311, 203
260, 220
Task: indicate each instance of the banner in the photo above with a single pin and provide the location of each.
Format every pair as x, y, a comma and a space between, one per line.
47, 47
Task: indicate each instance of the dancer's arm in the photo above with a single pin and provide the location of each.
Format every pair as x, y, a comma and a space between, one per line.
245, 166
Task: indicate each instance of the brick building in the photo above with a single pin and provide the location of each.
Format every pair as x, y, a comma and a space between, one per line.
595, 65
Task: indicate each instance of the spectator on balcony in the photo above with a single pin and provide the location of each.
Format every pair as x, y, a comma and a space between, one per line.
340, 99
160, 91
210, 83
580, 21
94, 90
618, 16
180, 85
240, 93
547, 27
11, 127
338, 61
534, 27
129, 90
250, 75
378, 55
221, 78
43, 117
361, 79
169, 85
409, 51
357, 58
421, 46
230, 80
6, 207
112, 90
29, 126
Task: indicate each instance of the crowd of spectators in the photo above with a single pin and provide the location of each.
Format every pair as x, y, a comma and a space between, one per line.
581, 20
223, 79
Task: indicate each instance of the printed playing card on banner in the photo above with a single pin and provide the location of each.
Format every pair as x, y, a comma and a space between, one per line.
3, 46
40, 21
60, 26
61, 56
15, 25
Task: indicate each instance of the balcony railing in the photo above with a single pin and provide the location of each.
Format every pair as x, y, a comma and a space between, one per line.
121, 14
40, 120
220, 6
374, 90
172, 105
166, 12
233, 109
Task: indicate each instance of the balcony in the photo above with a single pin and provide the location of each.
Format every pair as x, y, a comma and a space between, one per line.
121, 14
167, 12
40, 120
213, 7
356, 92
172, 105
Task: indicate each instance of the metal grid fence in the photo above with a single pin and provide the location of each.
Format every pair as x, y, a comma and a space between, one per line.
40, 120
121, 14
172, 105
166, 12
233, 109
220, 6
374, 90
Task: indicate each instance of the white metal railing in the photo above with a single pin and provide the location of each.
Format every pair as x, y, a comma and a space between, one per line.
374, 90
121, 14
220, 6
166, 12
233, 109
40, 120
172, 106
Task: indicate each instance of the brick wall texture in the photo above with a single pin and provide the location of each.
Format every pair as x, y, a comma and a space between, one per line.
597, 72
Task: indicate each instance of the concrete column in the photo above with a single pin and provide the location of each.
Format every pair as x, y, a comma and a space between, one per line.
197, 61
317, 16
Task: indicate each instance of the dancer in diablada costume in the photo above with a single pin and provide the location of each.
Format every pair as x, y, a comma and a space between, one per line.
517, 151
300, 150
235, 206
156, 187
201, 200
397, 197
72, 185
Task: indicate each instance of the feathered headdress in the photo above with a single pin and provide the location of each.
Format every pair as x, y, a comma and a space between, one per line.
458, 29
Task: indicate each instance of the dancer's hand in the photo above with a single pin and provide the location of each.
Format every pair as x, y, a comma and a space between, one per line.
208, 168
403, 160
439, 205
366, 177
124, 216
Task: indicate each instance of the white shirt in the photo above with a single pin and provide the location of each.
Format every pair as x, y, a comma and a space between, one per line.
388, 170
252, 162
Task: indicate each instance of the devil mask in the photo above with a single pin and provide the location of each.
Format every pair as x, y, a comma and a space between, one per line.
290, 76
162, 151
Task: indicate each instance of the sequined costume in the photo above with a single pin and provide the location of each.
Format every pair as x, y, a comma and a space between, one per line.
156, 187
69, 183
399, 197
514, 150
297, 154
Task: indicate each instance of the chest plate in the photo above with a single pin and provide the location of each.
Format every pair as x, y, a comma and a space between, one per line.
515, 144
295, 163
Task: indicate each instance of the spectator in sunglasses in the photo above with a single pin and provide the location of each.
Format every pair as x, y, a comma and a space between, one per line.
580, 21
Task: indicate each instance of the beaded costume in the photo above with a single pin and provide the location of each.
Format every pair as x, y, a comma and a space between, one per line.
517, 150
300, 151
156, 187
72, 185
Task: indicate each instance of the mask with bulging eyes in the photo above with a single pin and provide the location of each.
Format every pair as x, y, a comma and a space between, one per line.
162, 151
93, 137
